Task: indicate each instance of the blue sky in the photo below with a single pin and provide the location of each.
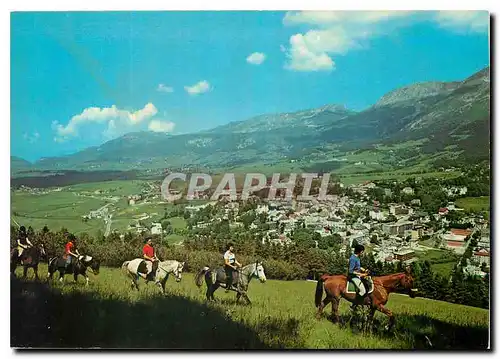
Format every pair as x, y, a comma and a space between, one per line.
80, 79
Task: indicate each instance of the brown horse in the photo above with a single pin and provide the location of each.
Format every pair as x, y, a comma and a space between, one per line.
336, 287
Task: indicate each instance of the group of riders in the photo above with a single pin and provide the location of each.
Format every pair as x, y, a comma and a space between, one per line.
70, 256
358, 275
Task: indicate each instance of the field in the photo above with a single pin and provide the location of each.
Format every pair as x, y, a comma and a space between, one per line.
109, 314
65, 208
357, 178
56, 210
474, 204
446, 260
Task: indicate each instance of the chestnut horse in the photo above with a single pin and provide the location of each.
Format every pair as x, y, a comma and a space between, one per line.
336, 287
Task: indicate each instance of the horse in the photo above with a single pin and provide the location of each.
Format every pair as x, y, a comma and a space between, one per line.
77, 267
30, 258
336, 287
165, 268
217, 278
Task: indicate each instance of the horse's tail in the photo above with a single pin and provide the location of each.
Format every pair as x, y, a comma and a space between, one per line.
125, 264
51, 262
199, 277
319, 292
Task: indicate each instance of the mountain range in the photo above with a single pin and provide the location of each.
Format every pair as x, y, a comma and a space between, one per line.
438, 119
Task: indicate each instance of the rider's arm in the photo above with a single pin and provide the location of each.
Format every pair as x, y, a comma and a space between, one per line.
28, 241
147, 257
237, 263
19, 244
352, 265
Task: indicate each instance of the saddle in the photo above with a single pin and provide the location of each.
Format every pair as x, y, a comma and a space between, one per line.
351, 287
222, 276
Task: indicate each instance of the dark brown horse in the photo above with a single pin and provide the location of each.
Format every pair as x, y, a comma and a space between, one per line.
335, 287
30, 258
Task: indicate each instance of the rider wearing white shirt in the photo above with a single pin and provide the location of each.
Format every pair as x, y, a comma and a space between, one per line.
230, 265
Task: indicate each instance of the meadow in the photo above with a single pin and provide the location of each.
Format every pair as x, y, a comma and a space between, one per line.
65, 208
109, 314
474, 204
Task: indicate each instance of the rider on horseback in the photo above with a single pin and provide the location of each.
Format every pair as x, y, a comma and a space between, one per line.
22, 242
149, 255
356, 273
230, 264
70, 250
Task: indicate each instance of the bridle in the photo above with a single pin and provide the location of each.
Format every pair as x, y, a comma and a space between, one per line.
252, 273
175, 271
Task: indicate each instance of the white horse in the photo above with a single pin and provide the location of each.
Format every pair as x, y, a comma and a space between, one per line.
164, 269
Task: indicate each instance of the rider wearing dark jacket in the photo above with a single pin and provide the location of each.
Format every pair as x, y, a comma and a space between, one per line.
22, 241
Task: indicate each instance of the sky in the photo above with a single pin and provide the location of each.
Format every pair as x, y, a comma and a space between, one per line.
81, 79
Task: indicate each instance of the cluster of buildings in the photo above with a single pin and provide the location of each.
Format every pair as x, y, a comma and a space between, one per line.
394, 231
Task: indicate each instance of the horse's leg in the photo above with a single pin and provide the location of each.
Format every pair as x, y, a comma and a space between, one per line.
246, 298
35, 269
86, 279
335, 309
370, 316
322, 306
25, 271
160, 285
13, 266
238, 296
75, 276
213, 288
210, 292
387, 312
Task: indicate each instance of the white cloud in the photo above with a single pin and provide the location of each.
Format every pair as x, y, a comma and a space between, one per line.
163, 88
109, 122
200, 87
303, 57
463, 21
256, 58
161, 126
338, 32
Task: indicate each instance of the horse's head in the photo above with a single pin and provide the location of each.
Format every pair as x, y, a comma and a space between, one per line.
41, 247
178, 271
407, 282
94, 266
259, 272
91, 263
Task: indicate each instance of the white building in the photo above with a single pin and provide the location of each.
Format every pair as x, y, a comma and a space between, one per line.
407, 190
156, 228
378, 215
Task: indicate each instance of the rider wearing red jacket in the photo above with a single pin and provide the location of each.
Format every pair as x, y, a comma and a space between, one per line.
70, 250
149, 255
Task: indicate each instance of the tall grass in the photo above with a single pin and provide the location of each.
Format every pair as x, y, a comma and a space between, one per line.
109, 314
